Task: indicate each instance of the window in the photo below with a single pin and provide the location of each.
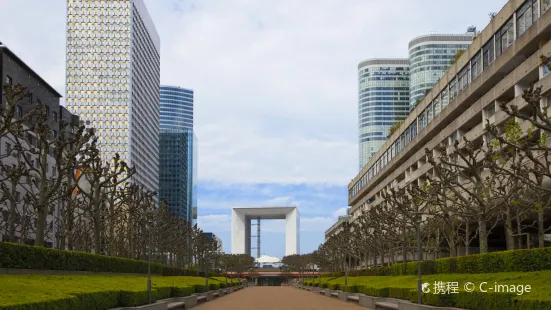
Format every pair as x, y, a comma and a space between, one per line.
55, 133
19, 111
505, 37
430, 112
489, 138
476, 66
545, 5
413, 129
437, 106
453, 137
9, 80
526, 16
488, 53
463, 78
423, 120
47, 108
490, 110
545, 70
17, 196
453, 89
55, 116
7, 148
30, 98
445, 98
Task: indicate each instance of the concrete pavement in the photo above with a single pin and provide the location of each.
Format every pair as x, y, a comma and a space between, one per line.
276, 298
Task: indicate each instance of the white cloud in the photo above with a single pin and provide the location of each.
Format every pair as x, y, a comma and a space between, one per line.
275, 81
214, 222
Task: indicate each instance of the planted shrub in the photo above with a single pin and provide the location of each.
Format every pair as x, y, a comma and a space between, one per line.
19, 256
507, 261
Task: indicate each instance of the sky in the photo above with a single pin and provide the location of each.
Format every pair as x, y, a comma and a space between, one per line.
275, 85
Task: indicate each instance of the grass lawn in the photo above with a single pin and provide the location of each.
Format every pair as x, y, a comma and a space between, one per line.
540, 281
29, 289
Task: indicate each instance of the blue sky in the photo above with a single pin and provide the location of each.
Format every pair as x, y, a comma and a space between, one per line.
275, 86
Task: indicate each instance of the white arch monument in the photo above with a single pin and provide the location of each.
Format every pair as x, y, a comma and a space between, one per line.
241, 227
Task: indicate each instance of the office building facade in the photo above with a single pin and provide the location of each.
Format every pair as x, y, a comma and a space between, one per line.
430, 56
501, 62
383, 99
14, 71
113, 74
178, 153
176, 108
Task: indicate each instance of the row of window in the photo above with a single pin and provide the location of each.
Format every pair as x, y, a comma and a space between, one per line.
503, 38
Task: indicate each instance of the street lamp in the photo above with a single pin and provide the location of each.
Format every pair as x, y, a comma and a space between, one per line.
150, 226
419, 256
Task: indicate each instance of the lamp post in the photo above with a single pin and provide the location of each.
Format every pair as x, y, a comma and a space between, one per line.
150, 226
419, 257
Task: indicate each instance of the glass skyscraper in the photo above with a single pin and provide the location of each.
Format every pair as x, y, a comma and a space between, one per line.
113, 76
383, 100
178, 153
430, 57
176, 108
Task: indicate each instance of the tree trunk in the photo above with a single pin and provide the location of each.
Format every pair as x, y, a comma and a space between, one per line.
41, 223
519, 232
509, 229
541, 229
12, 214
450, 238
482, 235
467, 237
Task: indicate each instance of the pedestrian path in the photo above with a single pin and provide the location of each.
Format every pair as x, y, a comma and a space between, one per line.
276, 298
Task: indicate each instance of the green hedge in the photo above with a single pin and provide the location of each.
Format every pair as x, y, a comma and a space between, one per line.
19, 256
506, 261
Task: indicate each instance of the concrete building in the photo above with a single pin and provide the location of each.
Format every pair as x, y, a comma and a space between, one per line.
383, 100
430, 56
241, 235
337, 227
14, 71
113, 71
178, 153
502, 61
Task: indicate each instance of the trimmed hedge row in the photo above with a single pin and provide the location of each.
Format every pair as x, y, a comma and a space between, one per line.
466, 300
111, 299
19, 256
506, 261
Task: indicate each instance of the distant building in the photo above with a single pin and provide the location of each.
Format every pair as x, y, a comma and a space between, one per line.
176, 108
383, 100
211, 236
113, 77
14, 71
178, 153
500, 63
337, 227
430, 56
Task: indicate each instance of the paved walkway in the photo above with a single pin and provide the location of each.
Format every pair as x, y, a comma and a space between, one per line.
276, 298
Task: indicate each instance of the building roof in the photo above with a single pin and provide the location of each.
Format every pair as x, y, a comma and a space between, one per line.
468, 37
6, 50
384, 61
267, 259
